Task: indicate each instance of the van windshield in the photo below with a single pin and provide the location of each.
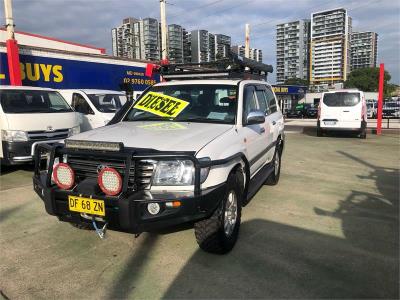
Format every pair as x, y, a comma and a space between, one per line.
32, 101
107, 103
341, 99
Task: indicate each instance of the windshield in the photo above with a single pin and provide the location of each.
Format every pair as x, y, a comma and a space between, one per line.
32, 101
208, 103
107, 103
341, 99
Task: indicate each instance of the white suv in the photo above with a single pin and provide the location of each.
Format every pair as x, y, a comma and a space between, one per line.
185, 151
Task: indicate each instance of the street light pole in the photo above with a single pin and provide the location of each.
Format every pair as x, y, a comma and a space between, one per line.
14, 70
247, 42
164, 54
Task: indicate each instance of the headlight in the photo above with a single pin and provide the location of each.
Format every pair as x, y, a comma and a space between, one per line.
14, 136
74, 130
174, 172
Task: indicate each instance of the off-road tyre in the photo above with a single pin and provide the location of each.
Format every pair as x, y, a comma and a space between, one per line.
210, 233
273, 178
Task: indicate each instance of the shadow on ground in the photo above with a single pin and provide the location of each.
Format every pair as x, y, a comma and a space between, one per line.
274, 260
10, 169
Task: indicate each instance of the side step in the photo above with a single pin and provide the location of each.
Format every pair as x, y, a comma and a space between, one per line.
258, 180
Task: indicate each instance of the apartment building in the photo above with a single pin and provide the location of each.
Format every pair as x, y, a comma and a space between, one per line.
255, 54
330, 47
292, 50
175, 43
141, 39
222, 46
137, 39
364, 49
123, 39
208, 47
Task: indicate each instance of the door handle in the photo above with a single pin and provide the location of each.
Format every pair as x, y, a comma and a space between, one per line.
273, 123
262, 130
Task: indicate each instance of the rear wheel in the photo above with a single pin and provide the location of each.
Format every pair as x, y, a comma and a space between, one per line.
273, 179
363, 132
218, 234
319, 131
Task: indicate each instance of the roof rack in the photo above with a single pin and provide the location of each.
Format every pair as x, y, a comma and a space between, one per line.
232, 67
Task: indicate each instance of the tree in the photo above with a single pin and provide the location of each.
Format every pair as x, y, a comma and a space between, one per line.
367, 80
296, 81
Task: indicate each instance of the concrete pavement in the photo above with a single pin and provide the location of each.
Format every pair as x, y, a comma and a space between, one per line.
330, 228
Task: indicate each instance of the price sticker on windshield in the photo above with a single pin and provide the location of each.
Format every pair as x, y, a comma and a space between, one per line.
161, 105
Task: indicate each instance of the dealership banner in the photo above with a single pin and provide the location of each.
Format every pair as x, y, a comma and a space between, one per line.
289, 89
60, 73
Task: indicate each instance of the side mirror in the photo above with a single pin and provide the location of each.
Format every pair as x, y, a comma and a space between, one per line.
255, 117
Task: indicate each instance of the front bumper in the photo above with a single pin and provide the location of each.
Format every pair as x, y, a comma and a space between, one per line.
21, 152
128, 212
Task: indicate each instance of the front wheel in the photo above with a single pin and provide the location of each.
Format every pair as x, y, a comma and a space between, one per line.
218, 234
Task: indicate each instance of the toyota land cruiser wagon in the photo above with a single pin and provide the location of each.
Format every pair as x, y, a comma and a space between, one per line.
186, 151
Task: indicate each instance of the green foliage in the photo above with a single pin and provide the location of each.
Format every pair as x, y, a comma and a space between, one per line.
296, 81
367, 80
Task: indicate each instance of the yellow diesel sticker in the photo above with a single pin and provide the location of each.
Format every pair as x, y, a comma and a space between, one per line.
161, 105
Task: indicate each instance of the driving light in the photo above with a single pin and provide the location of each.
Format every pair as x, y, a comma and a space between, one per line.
174, 172
13, 136
110, 181
153, 208
93, 145
64, 176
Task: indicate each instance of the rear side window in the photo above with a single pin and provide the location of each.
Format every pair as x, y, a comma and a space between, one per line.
341, 99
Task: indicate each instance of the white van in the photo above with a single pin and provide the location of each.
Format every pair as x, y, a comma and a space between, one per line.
342, 110
97, 107
30, 116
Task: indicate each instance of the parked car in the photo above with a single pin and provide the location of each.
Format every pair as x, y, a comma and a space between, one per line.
372, 109
97, 107
30, 116
299, 111
391, 109
312, 112
186, 151
343, 110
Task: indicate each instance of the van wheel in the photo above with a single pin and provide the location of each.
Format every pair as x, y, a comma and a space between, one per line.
218, 234
363, 132
273, 179
319, 131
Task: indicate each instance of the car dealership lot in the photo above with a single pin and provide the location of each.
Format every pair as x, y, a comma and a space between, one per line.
329, 229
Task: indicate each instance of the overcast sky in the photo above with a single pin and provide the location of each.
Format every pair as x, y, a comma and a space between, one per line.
90, 21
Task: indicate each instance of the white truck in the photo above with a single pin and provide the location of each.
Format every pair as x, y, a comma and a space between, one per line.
96, 107
185, 151
30, 116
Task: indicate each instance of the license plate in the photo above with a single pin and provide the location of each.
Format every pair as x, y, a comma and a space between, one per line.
330, 123
87, 205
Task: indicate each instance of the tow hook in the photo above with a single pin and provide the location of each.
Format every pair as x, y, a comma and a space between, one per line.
101, 232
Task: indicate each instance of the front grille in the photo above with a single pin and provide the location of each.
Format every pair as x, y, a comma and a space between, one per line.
140, 172
48, 135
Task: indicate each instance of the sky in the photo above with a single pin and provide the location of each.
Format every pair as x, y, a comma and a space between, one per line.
90, 21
